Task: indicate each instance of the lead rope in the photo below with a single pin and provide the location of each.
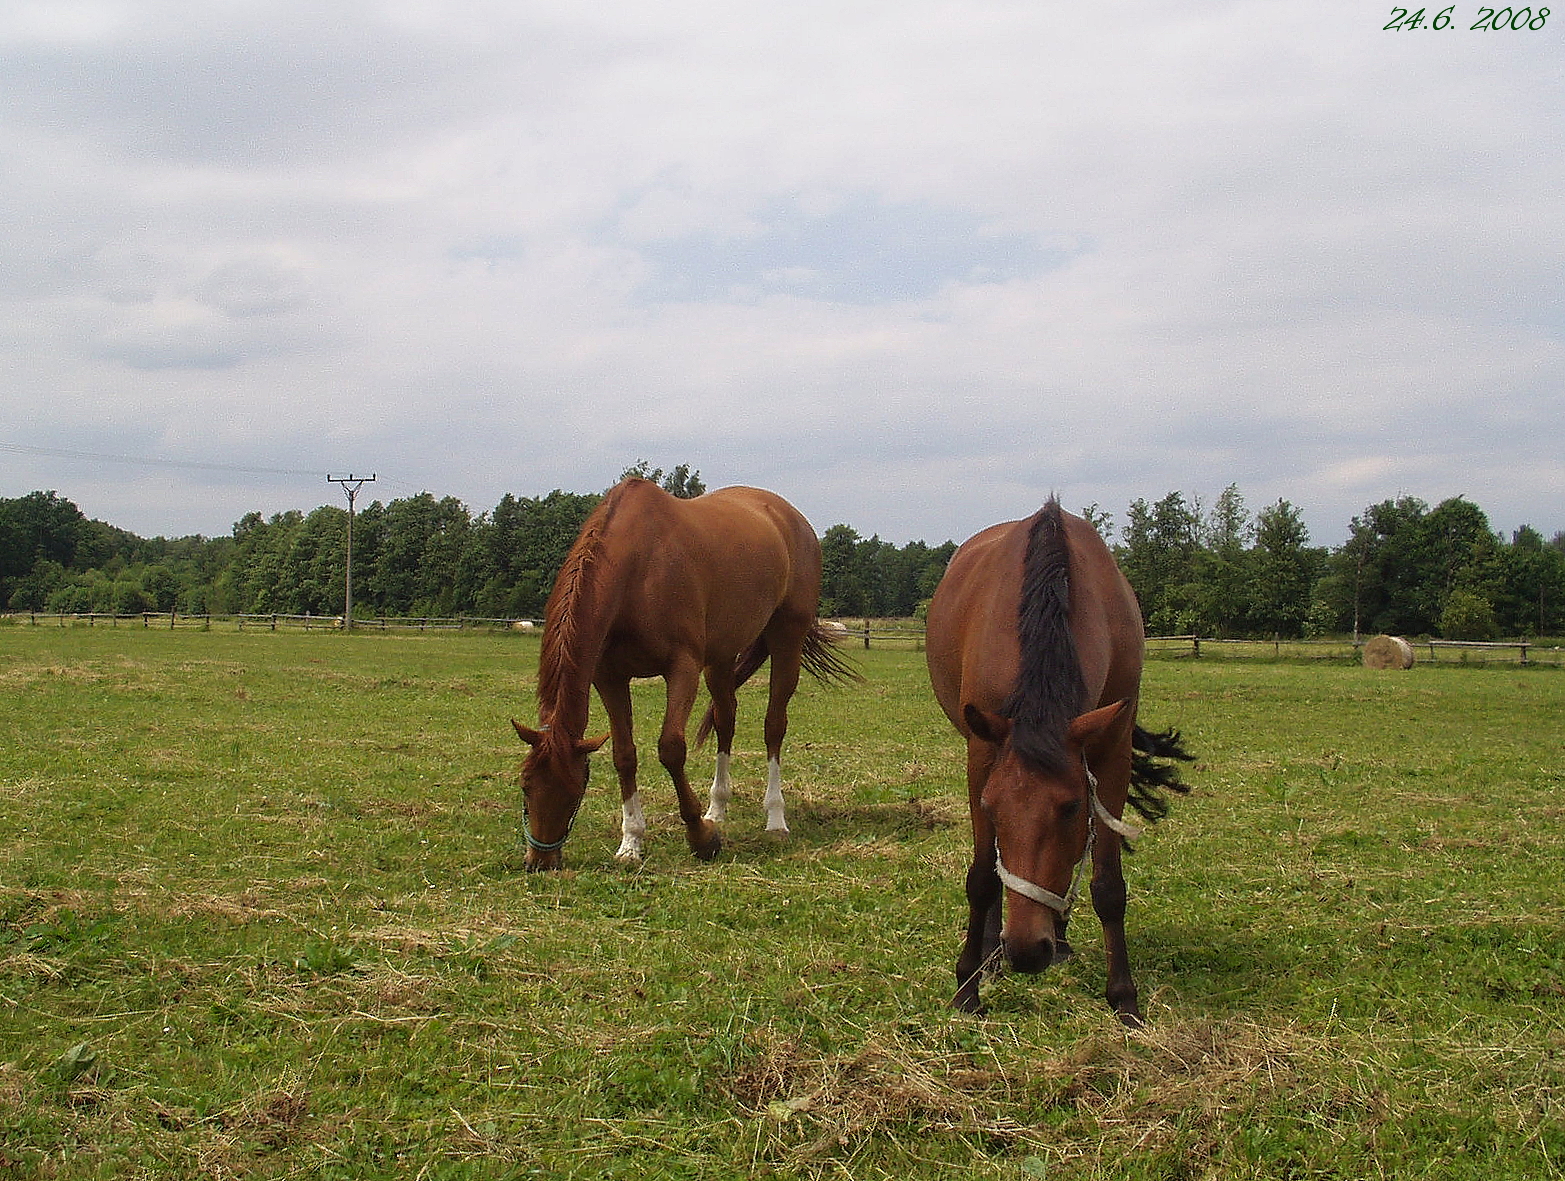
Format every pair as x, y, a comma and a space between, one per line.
1055, 902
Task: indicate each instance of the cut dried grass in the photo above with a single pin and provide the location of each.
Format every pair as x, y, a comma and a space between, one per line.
1119, 1091
820, 1106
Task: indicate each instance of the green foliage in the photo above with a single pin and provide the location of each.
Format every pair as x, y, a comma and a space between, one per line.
1159, 557
263, 914
1218, 573
681, 482
873, 578
1468, 616
1404, 562
1283, 573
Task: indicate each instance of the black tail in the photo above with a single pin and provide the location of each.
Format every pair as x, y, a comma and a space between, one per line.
1151, 778
821, 661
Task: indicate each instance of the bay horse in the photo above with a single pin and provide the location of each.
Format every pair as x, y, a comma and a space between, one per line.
657, 586
1034, 646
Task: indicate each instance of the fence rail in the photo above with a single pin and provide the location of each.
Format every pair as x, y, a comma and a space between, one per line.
260, 622
871, 633
885, 634
1434, 651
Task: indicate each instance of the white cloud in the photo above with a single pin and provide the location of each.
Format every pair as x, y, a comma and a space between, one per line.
916, 264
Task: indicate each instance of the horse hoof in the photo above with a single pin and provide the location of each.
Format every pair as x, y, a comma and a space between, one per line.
968, 1002
709, 844
778, 835
1130, 1019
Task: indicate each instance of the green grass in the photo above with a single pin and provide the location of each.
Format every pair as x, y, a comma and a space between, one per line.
263, 914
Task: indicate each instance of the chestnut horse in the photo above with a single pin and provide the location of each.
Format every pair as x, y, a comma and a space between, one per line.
662, 587
1034, 649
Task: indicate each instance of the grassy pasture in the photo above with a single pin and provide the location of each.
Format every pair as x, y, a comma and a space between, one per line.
262, 914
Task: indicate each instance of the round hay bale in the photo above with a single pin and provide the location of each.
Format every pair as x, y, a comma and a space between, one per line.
522, 625
1388, 652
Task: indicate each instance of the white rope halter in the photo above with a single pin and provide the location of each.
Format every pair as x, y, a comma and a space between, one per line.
1062, 905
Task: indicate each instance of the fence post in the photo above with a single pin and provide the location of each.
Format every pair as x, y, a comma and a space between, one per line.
1195, 647
866, 635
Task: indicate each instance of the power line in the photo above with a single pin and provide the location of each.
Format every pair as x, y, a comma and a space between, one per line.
147, 461
190, 464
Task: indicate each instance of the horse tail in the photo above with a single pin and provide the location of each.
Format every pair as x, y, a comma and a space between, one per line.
820, 659
1152, 773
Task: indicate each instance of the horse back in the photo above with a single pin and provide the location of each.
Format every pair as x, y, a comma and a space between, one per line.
972, 643
710, 572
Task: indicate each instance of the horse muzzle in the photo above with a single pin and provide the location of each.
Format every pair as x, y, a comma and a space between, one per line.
1031, 953
543, 860
1029, 956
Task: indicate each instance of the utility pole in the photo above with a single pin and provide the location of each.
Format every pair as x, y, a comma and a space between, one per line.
351, 485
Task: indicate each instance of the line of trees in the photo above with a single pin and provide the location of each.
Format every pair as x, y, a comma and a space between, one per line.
1406, 569
1221, 571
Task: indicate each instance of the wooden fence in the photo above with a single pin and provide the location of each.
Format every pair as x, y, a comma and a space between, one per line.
168, 620
1432, 651
883, 634
887, 634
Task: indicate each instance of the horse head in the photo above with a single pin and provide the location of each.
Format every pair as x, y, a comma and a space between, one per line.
554, 780
1043, 821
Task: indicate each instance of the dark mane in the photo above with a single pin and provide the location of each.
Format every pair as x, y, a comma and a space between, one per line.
1049, 689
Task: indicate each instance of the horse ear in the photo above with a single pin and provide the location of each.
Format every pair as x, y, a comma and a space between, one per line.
1090, 725
985, 725
530, 737
587, 745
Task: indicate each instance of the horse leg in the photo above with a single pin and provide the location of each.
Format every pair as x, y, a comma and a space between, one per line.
683, 681
633, 821
984, 896
1108, 899
725, 709
787, 659
1108, 884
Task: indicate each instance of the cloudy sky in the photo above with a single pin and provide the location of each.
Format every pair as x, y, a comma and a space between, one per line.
912, 263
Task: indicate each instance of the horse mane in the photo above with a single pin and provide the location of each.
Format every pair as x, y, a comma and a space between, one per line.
560, 656
1049, 689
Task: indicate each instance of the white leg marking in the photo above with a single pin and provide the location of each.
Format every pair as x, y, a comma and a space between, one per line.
775, 820
722, 792
633, 826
